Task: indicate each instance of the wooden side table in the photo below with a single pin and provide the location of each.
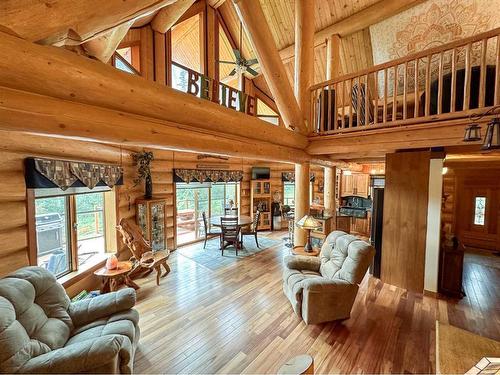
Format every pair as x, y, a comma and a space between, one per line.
299, 250
111, 280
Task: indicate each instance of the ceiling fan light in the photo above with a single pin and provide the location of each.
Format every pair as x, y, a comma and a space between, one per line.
472, 133
492, 139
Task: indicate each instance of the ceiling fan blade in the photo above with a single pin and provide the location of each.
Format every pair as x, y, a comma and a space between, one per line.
237, 53
226, 62
233, 72
251, 71
252, 62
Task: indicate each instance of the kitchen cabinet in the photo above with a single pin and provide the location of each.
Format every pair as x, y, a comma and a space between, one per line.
355, 184
360, 226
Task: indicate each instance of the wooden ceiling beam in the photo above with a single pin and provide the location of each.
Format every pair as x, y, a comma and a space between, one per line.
104, 46
358, 21
61, 74
69, 22
252, 16
169, 15
215, 3
30, 113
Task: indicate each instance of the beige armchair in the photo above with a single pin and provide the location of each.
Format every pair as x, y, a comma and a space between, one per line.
324, 289
42, 331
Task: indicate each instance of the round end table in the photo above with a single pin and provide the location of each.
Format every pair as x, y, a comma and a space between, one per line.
112, 279
299, 250
302, 364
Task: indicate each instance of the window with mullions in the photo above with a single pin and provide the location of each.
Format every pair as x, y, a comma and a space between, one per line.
71, 230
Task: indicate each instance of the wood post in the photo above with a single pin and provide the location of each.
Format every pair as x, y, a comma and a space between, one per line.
329, 189
302, 186
103, 47
160, 55
211, 42
304, 56
333, 69
252, 16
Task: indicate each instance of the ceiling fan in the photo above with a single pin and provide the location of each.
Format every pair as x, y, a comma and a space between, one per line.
242, 65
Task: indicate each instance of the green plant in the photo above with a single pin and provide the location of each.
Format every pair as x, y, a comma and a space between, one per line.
143, 162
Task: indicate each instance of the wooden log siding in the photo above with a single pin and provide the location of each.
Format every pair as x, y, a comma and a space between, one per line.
395, 84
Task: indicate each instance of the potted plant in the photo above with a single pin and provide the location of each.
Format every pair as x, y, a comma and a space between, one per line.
143, 162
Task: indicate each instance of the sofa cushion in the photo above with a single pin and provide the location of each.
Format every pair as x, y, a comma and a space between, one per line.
345, 257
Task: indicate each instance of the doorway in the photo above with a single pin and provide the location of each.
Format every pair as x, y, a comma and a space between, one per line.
195, 198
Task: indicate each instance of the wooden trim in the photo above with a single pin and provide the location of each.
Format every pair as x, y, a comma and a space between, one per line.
70, 200
193, 10
76, 276
30, 218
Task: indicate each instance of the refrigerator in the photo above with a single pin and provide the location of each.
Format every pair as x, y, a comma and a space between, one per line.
377, 228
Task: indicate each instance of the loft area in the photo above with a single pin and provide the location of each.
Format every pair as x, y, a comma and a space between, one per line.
231, 186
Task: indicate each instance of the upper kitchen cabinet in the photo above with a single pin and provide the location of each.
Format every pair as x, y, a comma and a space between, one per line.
355, 184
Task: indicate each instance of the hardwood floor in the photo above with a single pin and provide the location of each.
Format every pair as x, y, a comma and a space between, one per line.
234, 318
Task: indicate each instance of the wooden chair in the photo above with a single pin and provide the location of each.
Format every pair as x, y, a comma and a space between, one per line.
252, 231
230, 233
209, 233
142, 255
231, 211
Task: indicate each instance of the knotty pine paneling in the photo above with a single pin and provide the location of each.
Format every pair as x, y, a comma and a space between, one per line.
405, 219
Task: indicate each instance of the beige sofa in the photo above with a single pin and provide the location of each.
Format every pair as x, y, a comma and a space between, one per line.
324, 288
42, 331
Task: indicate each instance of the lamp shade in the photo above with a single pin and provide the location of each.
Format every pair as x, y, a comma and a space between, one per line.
492, 139
308, 222
472, 133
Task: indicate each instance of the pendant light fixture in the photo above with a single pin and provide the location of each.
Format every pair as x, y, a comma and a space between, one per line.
492, 139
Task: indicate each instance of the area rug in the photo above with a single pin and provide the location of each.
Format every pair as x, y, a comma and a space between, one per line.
211, 256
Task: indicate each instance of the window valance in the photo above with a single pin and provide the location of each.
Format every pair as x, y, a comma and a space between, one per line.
290, 176
63, 174
199, 175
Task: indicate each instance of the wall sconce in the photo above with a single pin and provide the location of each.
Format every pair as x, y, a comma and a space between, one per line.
445, 170
472, 133
492, 138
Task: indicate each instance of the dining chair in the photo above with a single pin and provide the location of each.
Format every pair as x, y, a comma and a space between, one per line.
233, 211
209, 233
252, 231
230, 233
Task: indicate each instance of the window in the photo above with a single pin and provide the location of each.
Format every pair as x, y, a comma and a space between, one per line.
289, 193
71, 230
266, 113
186, 43
127, 59
194, 198
479, 210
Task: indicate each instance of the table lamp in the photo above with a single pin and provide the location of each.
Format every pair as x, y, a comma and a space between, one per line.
308, 223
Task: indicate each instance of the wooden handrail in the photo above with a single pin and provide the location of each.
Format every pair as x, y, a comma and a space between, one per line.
383, 96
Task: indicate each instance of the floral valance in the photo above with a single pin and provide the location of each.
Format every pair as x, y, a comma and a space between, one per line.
290, 176
50, 173
210, 175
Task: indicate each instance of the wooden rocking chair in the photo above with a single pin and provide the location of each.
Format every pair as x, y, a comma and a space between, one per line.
142, 255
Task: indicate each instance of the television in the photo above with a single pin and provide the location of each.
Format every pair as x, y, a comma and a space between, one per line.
261, 173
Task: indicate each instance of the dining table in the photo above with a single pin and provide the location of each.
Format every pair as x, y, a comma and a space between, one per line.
243, 220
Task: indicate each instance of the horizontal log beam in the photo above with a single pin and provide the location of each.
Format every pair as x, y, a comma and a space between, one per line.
61, 74
436, 134
42, 115
70, 22
358, 21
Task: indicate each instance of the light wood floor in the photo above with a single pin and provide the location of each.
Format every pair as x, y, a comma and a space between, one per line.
235, 319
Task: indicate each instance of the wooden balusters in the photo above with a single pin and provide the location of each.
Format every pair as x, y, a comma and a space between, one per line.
417, 101
322, 109
395, 94
367, 104
497, 73
467, 78
453, 103
358, 102
482, 72
428, 86
350, 103
343, 105
329, 104
440, 85
384, 118
405, 88
375, 98
335, 106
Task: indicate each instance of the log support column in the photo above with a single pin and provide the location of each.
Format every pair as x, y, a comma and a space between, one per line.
302, 185
329, 189
333, 69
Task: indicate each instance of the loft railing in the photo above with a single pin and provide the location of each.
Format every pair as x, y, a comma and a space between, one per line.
446, 82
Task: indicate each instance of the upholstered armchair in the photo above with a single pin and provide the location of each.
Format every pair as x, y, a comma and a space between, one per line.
42, 331
324, 289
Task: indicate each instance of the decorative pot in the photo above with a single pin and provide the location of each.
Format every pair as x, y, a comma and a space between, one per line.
148, 194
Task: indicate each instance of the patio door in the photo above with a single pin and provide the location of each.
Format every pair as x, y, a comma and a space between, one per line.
191, 200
